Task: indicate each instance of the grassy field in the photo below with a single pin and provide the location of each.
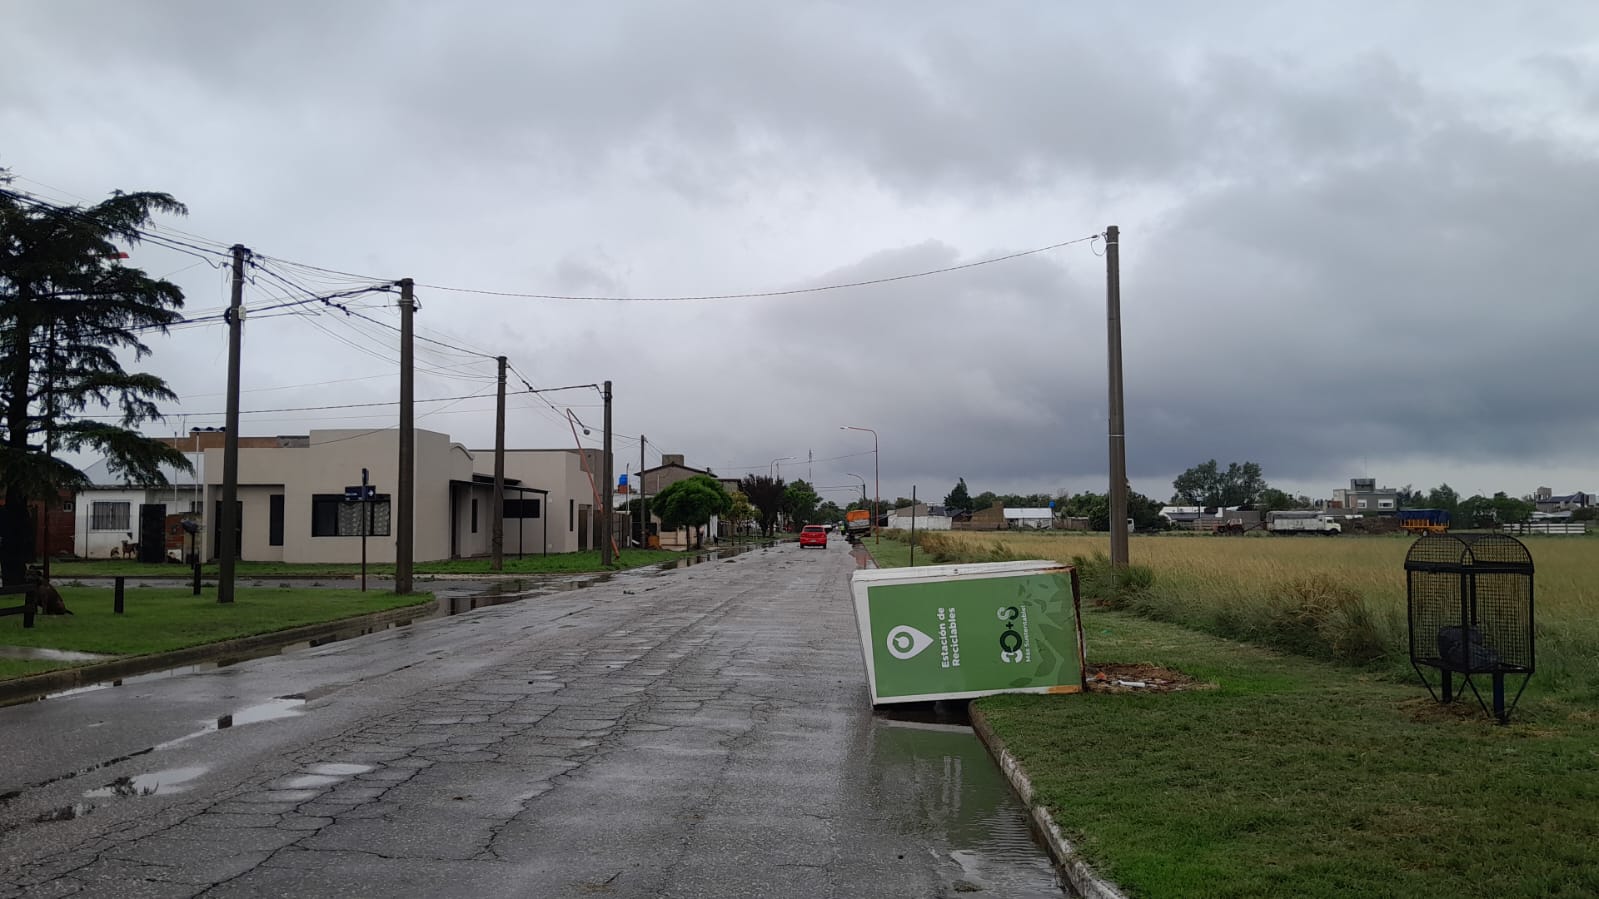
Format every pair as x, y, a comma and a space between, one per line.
157, 620
1295, 777
560, 563
1310, 772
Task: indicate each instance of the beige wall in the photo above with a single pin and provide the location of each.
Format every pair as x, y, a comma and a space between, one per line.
330, 460
559, 471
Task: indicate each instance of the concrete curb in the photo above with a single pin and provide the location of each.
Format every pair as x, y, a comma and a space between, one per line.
26, 689
1082, 879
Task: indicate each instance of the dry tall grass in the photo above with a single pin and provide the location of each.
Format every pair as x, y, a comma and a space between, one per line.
1341, 596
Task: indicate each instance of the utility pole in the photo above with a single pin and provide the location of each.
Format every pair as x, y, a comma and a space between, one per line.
607, 518
497, 548
1118, 435
406, 488
228, 520
643, 499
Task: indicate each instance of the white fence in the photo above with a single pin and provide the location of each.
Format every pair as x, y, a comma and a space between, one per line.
1547, 527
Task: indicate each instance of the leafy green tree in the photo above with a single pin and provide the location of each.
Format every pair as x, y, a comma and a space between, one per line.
740, 511
829, 512
1444, 497
765, 493
1207, 484
1095, 507
67, 307
903, 502
959, 500
1272, 499
799, 503
690, 503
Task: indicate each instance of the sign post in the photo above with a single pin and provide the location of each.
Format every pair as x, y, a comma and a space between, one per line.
364, 495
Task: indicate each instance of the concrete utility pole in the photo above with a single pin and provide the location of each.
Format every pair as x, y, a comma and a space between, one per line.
1118, 435
406, 488
497, 541
228, 519
606, 518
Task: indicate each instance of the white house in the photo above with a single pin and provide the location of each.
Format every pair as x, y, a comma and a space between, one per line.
113, 516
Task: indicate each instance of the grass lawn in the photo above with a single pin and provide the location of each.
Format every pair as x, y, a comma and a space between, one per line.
157, 620
1303, 778
1306, 777
560, 563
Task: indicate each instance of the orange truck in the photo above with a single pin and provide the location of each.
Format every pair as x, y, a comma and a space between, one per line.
857, 524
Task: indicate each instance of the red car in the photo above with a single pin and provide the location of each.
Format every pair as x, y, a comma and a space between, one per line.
813, 535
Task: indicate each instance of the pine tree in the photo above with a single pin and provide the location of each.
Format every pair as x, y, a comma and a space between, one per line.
959, 500
67, 306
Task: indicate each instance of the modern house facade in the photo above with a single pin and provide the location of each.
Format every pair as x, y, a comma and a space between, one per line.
295, 505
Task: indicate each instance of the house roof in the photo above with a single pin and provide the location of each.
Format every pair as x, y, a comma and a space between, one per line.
99, 474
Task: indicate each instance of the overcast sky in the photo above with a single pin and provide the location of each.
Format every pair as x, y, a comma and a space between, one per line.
1358, 239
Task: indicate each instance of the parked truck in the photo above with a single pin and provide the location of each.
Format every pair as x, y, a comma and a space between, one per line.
857, 524
1423, 521
1302, 522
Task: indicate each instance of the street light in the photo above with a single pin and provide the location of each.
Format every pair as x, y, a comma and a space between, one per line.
773, 469
863, 485
877, 479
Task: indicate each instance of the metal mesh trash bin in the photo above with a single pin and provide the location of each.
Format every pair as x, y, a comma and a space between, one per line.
1469, 604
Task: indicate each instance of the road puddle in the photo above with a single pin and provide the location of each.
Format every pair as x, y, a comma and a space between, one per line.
154, 783
949, 785
40, 654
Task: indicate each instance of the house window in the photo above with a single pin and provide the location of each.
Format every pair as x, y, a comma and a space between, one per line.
474, 515
66, 506
522, 508
571, 516
275, 520
1385, 504
108, 517
1360, 504
333, 516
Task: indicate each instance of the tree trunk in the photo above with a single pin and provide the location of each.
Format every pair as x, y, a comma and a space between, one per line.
16, 528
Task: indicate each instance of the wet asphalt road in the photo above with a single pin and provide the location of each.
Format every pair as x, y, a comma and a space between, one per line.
702, 732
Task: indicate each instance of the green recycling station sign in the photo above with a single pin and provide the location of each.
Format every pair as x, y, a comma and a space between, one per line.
963, 631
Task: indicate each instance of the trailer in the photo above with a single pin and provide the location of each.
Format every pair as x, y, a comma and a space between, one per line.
1423, 521
1302, 522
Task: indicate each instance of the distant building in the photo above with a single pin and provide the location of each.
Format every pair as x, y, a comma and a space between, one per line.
1363, 495
1546, 501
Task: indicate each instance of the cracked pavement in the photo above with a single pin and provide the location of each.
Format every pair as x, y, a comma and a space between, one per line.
689, 733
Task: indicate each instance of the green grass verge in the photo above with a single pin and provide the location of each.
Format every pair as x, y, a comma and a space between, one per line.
1303, 778
560, 563
158, 620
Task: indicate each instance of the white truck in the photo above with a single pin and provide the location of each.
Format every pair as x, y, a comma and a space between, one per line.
1302, 522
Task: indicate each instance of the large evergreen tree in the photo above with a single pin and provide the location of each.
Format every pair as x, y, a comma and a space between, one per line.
68, 306
959, 499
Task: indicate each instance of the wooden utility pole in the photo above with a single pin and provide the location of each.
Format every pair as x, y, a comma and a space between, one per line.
643, 498
606, 518
406, 488
227, 533
497, 547
1118, 435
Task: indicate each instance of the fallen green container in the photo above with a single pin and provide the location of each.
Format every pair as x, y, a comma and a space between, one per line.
964, 631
